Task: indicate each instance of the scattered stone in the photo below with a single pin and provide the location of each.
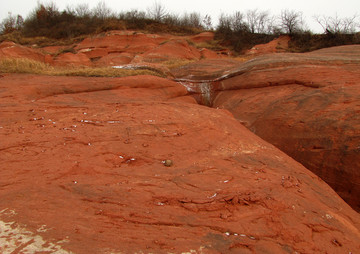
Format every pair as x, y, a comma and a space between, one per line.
168, 163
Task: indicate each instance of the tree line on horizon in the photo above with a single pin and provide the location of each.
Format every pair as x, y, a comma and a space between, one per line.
239, 30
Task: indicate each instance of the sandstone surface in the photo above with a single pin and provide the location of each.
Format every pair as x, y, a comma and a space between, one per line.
13, 50
305, 104
83, 171
278, 45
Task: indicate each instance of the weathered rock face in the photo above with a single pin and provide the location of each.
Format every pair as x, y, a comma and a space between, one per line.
117, 48
308, 106
83, 167
176, 49
71, 59
202, 37
13, 50
278, 45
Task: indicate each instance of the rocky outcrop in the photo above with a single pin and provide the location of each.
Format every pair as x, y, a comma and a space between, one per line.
71, 59
117, 48
175, 49
278, 45
13, 50
308, 106
132, 164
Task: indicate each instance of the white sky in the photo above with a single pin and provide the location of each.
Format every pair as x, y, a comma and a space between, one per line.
343, 8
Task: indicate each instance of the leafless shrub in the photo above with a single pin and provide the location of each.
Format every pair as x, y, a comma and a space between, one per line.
232, 23
336, 24
291, 21
193, 19
11, 23
157, 11
258, 21
207, 22
82, 10
101, 11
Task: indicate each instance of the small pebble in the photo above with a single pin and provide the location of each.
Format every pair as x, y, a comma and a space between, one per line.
168, 163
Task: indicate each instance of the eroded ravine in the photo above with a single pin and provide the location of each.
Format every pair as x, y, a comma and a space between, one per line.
312, 98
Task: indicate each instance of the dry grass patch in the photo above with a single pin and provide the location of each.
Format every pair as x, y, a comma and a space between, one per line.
22, 65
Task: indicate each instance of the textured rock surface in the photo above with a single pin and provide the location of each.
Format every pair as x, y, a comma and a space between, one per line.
117, 48
71, 59
278, 45
82, 170
308, 106
13, 50
175, 49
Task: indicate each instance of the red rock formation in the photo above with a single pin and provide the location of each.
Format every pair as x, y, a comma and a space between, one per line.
12, 50
115, 59
53, 49
116, 48
131, 42
278, 45
308, 106
174, 49
202, 37
210, 54
82, 167
71, 59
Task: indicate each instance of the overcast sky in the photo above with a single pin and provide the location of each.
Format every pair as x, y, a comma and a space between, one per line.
343, 8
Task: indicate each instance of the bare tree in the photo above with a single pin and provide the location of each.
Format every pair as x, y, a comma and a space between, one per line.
195, 19
207, 22
102, 11
232, 23
336, 24
132, 15
237, 22
11, 23
251, 18
83, 10
257, 20
157, 11
224, 24
291, 21
8, 24
350, 24
19, 22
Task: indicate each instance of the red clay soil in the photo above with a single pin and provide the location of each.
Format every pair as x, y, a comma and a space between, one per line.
134, 165
307, 105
